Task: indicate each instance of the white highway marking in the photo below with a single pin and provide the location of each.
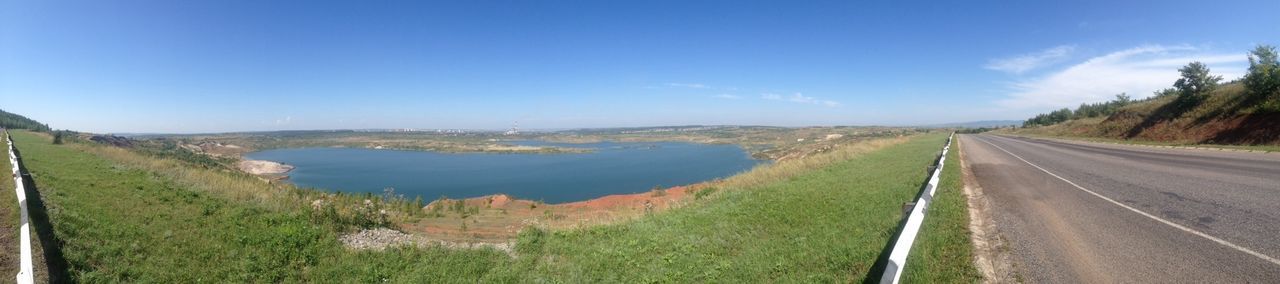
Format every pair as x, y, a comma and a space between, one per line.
1153, 217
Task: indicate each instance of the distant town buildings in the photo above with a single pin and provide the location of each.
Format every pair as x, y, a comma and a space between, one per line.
515, 129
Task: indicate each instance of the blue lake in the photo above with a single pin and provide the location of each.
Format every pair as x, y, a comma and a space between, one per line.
612, 168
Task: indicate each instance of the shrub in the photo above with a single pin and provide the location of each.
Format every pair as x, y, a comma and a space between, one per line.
704, 192
530, 240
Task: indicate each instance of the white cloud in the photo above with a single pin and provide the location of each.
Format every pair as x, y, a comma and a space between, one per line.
688, 85
799, 98
287, 120
727, 96
1136, 71
1027, 62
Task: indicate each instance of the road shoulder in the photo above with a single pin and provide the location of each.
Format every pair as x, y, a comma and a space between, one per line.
990, 249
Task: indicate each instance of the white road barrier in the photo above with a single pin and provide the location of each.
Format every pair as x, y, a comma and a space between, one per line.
25, 274
902, 246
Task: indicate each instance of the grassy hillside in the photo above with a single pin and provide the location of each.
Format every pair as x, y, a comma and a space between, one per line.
127, 217
1227, 116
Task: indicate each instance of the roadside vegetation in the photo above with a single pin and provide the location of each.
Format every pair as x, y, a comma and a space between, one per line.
1199, 109
9, 214
943, 252
122, 216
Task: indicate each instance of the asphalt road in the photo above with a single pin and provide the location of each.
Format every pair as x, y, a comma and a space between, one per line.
1074, 212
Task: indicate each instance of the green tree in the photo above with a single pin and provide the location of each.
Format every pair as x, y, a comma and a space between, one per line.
15, 121
1123, 99
1196, 83
57, 137
1263, 79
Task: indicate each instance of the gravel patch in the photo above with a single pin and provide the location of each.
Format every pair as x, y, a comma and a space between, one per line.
382, 238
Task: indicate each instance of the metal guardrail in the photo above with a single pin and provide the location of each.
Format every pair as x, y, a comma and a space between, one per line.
25, 271
902, 246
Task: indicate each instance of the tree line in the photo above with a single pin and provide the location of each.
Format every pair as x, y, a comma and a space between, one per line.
1084, 111
1262, 84
10, 120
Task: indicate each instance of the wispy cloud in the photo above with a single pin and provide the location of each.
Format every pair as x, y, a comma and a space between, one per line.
1137, 71
688, 85
1027, 62
799, 98
284, 121
727, 96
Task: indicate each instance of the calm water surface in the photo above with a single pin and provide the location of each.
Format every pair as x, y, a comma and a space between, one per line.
612, 169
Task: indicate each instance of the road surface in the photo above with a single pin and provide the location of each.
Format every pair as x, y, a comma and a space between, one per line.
1075, 212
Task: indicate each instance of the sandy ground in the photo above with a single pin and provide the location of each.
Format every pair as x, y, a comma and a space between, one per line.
263, 167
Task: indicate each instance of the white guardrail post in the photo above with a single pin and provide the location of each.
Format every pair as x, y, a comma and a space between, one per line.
25, 273
902, 246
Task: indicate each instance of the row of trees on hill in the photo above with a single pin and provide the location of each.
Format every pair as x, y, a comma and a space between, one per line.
15, 121
1194, 86
1084, 111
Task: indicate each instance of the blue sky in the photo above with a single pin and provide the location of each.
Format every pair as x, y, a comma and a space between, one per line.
212, 66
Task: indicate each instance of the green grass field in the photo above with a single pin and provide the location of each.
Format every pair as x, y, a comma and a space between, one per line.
121, 221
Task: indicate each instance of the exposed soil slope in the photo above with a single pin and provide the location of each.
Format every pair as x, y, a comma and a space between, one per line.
1228, 116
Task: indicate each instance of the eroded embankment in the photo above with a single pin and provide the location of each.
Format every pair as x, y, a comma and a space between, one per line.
259, 167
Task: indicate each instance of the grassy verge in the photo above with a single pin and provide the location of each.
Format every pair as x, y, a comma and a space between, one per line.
9, 215
125, 218
943, 253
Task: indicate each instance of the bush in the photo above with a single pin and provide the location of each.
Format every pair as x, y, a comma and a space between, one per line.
530, 240
704, 192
